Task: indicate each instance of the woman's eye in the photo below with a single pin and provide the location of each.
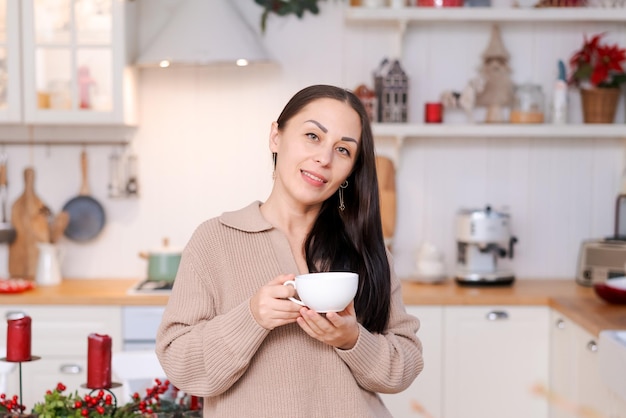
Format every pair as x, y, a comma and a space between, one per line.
343, 150
312, 136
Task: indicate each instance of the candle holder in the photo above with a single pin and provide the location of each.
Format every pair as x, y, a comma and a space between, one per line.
107, 390
19, 367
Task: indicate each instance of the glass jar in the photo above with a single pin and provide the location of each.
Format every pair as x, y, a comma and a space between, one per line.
528, 104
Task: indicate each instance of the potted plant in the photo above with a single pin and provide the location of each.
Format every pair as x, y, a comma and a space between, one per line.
597, 70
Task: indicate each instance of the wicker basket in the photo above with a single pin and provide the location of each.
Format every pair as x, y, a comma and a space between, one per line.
599, 105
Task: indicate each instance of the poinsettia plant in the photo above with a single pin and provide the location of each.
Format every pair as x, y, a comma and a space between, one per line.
598, 64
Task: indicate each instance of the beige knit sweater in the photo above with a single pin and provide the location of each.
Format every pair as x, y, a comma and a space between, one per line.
210, 345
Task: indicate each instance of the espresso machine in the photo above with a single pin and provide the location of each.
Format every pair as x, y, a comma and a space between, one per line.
483, 236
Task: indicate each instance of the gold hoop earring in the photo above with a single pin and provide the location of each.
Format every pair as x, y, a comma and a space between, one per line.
341, 203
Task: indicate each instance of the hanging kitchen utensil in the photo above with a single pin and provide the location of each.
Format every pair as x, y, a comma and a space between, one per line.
58, 225
29, 216
386, 174
7, 232
87, 216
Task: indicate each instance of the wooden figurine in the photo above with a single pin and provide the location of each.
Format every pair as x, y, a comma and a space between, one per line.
499, 89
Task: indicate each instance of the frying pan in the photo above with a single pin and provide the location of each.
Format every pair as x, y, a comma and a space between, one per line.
86, 213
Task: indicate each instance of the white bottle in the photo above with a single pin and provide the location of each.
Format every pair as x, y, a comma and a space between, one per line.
559, 97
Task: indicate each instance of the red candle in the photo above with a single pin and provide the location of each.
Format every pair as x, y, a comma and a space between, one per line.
433, 113
18, 337
98, 361
194, 405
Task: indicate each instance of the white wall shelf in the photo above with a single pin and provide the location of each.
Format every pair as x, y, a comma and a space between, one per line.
402, 131
484, 14
398, 133
65, 135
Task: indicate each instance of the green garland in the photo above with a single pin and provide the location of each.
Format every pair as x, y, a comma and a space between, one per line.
286, 7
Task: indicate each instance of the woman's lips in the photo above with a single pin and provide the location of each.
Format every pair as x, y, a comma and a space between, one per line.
312, 178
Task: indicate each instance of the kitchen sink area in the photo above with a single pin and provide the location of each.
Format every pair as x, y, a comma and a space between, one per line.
612, 360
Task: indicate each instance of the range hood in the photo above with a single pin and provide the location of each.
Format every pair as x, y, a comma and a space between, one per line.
203, 32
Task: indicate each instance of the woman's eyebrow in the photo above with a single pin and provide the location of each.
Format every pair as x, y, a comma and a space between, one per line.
319, 125
323, 128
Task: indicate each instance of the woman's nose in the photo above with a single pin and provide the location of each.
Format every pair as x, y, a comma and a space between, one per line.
324, 155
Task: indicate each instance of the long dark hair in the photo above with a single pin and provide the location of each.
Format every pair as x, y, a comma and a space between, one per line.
352, 239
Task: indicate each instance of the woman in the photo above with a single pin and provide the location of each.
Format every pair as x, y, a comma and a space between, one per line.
229, 333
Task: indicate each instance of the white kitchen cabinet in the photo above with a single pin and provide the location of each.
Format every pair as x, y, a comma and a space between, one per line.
575, 377
10, 81
75, 57
426, 391
493, 357
617, 406
563, 373
59, 337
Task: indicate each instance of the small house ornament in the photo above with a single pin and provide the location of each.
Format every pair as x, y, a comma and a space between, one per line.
391, 85
499, 89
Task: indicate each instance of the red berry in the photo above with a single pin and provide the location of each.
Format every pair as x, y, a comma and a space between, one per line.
84, 412
78, 404
100, 410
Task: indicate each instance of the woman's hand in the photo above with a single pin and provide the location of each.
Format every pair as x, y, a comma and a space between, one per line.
339, 329
270, 306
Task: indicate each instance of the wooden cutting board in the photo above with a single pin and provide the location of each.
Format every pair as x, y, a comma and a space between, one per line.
386, 174
29, 216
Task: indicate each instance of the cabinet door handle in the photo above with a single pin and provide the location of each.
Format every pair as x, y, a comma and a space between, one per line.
592, 346
70, 369
497, 315
560, 324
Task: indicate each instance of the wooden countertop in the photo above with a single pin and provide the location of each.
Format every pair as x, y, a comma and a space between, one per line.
576, 302
86, 292
579, 303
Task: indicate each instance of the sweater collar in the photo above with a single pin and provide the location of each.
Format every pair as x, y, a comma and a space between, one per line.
248, 219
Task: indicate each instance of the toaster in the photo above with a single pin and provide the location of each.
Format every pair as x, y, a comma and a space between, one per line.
600, 260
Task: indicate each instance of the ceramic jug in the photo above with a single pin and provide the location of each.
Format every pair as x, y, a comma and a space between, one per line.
48, 265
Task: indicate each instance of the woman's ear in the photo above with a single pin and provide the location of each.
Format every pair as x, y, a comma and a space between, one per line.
274, 137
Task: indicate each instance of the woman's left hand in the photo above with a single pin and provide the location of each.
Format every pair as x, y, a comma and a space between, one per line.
339, 329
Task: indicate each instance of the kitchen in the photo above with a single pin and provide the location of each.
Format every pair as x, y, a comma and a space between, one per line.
188, 141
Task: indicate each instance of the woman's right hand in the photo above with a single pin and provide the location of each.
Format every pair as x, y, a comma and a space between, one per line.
270, 306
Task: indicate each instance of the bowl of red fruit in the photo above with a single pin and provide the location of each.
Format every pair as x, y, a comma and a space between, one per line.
612, 290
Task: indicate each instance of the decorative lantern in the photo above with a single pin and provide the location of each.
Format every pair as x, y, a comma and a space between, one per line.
391, 86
